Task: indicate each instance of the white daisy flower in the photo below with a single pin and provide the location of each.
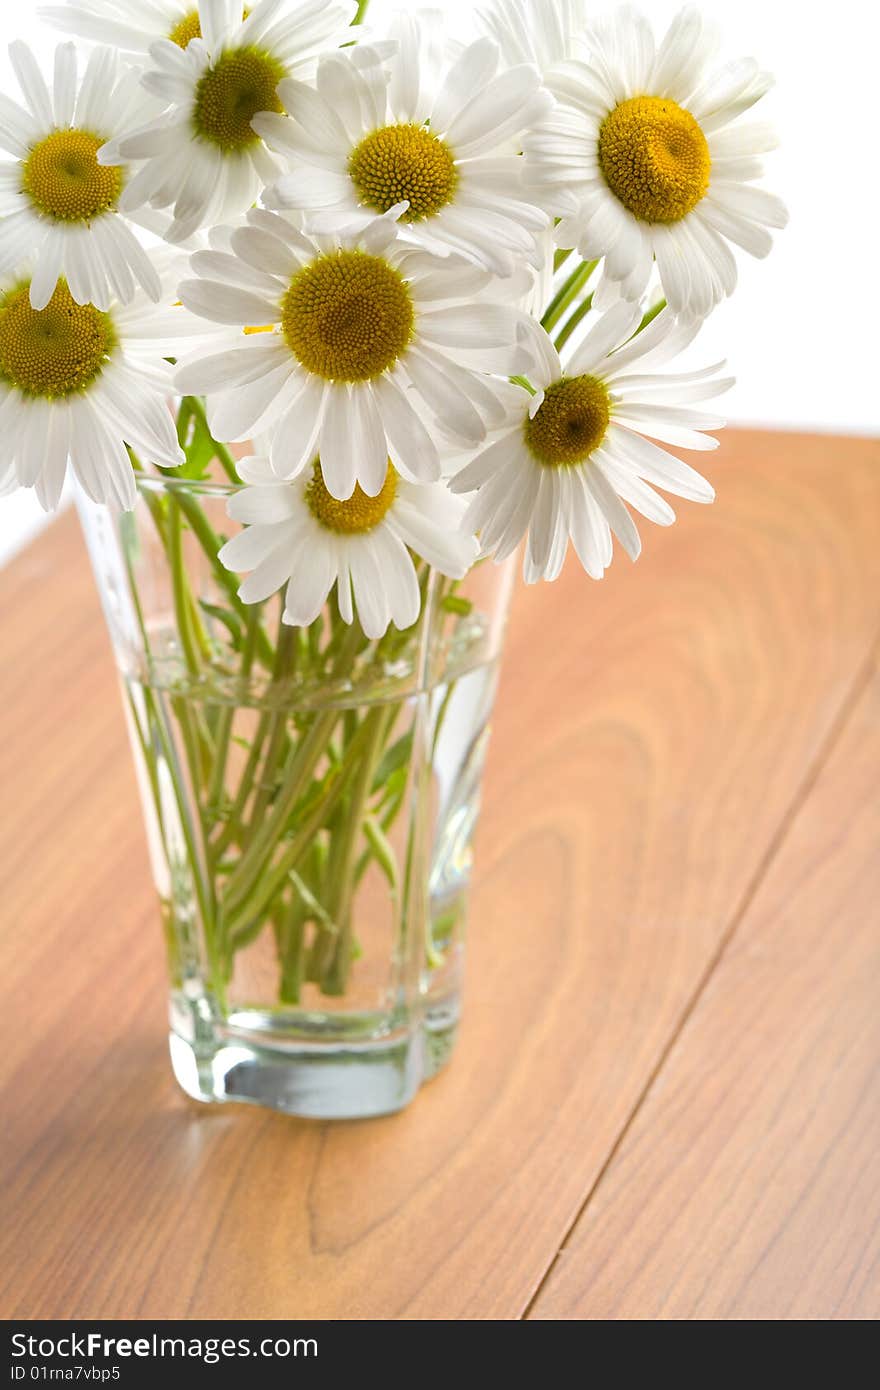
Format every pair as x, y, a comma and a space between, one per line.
60, 207
132, 26
202, 158
337, 341
574, 452
297, 534
82, 382
645, 158
440, 136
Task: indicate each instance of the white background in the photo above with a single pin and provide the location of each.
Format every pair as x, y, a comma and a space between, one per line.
801, 331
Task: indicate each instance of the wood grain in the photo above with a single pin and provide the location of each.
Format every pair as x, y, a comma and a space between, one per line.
748, 1185
653, 737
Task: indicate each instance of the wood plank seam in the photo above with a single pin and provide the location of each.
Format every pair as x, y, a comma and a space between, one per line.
860, 684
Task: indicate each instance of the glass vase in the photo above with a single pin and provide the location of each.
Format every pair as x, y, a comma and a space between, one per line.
310, 799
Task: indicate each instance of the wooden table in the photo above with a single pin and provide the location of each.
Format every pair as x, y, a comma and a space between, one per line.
666, 1100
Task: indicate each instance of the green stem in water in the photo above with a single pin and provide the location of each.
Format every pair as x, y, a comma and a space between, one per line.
292, 951
354, 812
297, 776
285, 654
225, 721
155, 727
255, 891
192, 635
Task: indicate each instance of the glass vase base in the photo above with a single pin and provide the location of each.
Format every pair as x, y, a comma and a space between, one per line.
354, 1082
321, 1082
440, 1034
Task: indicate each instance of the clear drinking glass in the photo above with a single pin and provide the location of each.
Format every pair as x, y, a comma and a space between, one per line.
310, 799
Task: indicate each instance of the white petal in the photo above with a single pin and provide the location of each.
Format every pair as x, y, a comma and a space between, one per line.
239, 413
48, 268
657, 466
412, 449
263, 505
249, 547
450, 551
18, 128
272, 571
226, 370
492, 110
614, 327
369, 590
227, 304
615, 512
295, 440
632, 490
339, 464
398, 577
474, 68
31, 82
312, 579
368, 442
486, 464
444, 398
65, 84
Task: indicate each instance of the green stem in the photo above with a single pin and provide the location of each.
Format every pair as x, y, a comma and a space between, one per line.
650, 316
232, 829
297, 776
193, 647
225, 457
225, 722
572, 322
156, 726
256, 890
285, 653
567, 293
292, 951
334, 982
212, 544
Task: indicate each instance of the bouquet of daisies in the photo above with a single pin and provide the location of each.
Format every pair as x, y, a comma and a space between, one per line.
408, 253
416, 302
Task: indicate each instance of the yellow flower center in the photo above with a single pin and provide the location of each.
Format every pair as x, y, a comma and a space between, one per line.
570, 422
347, 316
404, 161
359, 513
63, 179
56, 351
189, 27
655, 158
229, 95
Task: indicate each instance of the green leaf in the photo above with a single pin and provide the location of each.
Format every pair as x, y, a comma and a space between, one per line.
395, 758
383, 852
311, 904
454, 603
